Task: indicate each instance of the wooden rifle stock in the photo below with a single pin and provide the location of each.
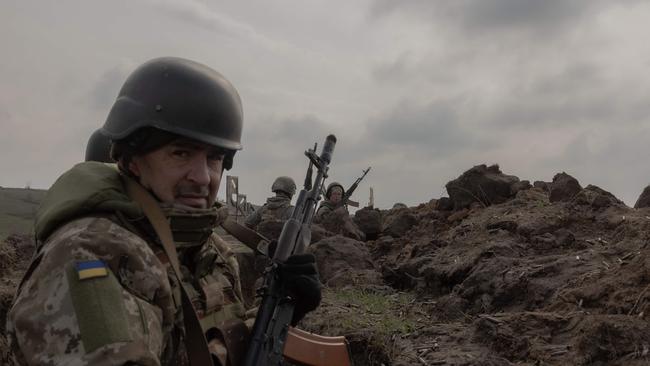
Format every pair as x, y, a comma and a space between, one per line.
315, 350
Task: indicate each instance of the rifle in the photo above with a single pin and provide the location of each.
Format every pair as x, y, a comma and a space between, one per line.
346, 198
271, 327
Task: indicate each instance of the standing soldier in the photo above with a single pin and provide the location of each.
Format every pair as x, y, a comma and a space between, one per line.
276, 208
127, 270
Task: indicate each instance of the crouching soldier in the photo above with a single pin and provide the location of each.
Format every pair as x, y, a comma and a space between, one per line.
333, 214
127, 269
333, 201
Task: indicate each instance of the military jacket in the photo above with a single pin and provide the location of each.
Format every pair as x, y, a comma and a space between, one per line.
326, 207
276, 208
101, 291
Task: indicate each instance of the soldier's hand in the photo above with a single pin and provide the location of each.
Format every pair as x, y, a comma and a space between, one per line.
300, 275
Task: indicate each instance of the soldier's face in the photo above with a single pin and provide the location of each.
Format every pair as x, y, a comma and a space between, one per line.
183, 172
336, 195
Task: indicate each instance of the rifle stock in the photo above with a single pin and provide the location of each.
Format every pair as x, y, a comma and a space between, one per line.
315, 350
272, 321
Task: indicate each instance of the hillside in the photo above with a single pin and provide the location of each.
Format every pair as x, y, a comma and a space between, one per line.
17, 209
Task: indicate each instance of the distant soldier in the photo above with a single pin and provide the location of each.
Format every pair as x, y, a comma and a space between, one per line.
276, 208
333, 200
99, 148
333, 213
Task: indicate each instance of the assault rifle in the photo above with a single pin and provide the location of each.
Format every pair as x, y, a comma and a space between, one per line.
346, 198
271, 331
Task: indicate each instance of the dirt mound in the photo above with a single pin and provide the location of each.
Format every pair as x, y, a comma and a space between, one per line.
481, 184
344, 262
563, 187
369, 221
644, 198
528, 281
500, 273
15, 254
340, 222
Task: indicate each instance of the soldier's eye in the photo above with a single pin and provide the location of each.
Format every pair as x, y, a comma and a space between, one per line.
181, 153
215, 156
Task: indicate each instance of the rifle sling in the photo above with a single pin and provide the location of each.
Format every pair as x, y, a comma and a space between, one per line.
247, 236
197, 346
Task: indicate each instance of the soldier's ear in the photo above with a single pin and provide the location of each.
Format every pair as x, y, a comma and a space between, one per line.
134, 168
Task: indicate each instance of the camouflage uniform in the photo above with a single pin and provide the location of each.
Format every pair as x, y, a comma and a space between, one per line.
131, 312
327, 207
277, 208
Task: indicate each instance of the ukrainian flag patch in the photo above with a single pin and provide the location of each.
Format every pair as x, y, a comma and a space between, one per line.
91, 269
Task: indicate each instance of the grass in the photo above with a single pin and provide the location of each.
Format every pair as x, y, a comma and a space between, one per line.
370, 319
381, 314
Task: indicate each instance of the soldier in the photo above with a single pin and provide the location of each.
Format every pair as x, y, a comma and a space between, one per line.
276, 208
127, 270
98, 148
333, 200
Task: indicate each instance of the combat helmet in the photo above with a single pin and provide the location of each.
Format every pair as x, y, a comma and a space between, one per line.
284, 184
98, 148
331, 186
180, 97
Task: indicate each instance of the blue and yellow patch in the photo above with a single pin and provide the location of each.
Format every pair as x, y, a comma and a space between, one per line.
91, 269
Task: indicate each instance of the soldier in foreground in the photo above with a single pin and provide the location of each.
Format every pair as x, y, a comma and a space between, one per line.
127, 269
278, 207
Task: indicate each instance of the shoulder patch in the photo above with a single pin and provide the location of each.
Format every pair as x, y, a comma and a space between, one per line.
91, 269
99, 307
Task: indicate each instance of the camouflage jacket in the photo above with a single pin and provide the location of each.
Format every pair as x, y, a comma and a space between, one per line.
326, 207
100, 290
275, 208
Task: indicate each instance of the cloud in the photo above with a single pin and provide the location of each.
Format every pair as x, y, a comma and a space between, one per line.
539, 18
580, 93
200, 14
274, 146
432, 129
105, 90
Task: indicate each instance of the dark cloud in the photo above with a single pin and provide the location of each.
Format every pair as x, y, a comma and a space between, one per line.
434, 128
476, 16
197, 14
297, 129
394, 70
578, 94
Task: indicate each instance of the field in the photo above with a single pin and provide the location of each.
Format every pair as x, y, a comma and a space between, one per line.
17, 209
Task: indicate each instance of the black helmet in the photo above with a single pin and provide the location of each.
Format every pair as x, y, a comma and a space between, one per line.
284, 184
331, 186
98, 148
182, 97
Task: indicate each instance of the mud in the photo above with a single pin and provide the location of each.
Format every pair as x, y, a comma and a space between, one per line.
523, 282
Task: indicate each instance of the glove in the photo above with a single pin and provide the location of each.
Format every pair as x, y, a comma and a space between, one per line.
301, 280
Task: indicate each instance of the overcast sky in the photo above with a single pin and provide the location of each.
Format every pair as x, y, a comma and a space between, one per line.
421, 90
